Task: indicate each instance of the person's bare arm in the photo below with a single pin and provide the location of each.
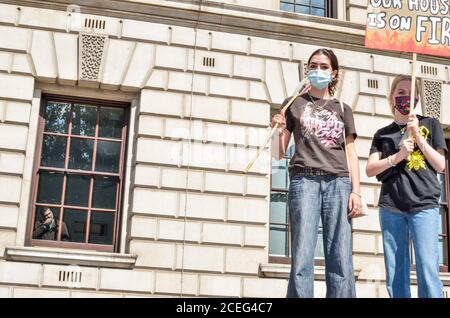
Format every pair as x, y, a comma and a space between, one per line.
376, 165
281, 137
354, 201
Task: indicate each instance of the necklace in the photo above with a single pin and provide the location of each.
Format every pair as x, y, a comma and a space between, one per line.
318, 107
402, 129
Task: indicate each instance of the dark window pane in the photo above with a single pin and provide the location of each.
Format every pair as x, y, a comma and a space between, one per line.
83, 120
104, 195
102, 228
302, 9
77, 190
318, 12
75, 221
81, 154
53, 151
278, 207
286, 7
38, 233
50, 187
108, 156
111, 122
278, 244
57, 117
318, 3
441, 178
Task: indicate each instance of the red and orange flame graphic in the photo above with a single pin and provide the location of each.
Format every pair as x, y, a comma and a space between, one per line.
404, 41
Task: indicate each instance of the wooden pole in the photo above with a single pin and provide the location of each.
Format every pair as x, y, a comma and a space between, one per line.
413, 94
298, 91
413, 87
413, 83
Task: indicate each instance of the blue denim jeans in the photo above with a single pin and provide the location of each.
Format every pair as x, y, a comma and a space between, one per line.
397, 229
312, 197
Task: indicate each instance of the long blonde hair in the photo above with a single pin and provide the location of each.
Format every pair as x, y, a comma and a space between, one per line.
398, 79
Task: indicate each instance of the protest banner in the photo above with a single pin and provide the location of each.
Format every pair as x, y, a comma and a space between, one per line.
417, 26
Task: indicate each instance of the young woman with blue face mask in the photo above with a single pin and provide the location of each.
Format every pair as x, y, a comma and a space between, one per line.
321, 185
409, 198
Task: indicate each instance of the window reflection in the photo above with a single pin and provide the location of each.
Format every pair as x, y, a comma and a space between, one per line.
311, 7
101, 228
83, 120
77, 190
57, 117
53, 151
108, 156
88, 207
278, 207
105, 189
111, 122
76, 223
279, 244
50, 187
278, 240
81, 154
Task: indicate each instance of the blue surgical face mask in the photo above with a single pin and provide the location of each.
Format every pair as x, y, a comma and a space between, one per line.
319, 79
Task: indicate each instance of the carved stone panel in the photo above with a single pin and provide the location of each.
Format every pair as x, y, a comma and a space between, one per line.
92, 53
432, 98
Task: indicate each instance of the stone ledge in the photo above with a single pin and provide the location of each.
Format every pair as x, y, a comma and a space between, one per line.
282, 271
70, 257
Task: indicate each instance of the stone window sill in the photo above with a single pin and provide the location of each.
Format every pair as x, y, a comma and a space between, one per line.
272, 270
69, 257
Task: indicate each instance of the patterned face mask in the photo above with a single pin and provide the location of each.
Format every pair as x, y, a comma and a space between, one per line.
403, 104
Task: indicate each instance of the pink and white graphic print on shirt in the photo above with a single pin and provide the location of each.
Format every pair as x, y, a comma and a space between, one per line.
323, 123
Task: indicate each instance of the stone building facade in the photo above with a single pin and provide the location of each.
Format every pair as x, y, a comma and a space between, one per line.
182, 93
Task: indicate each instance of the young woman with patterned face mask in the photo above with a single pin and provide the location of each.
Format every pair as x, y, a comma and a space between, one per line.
407, 164
320, 186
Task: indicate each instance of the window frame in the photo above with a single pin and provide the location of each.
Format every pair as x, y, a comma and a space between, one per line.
284, 259
99, 103
330, 8
446, 206
446, 221
280, 259
443, 268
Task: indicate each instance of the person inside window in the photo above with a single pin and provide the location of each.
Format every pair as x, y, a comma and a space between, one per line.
47, 227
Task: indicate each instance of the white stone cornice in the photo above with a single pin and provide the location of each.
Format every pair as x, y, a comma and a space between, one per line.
71, 257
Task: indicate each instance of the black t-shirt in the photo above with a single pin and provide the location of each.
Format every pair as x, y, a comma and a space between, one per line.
412, 185
318, 127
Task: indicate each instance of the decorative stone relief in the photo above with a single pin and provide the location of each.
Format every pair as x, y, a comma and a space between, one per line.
303, 69
91, 57
432, 98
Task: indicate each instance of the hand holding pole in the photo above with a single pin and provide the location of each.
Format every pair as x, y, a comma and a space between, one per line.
301, 89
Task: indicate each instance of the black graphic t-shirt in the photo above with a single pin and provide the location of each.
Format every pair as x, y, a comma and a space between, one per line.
412, 185
318, 127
